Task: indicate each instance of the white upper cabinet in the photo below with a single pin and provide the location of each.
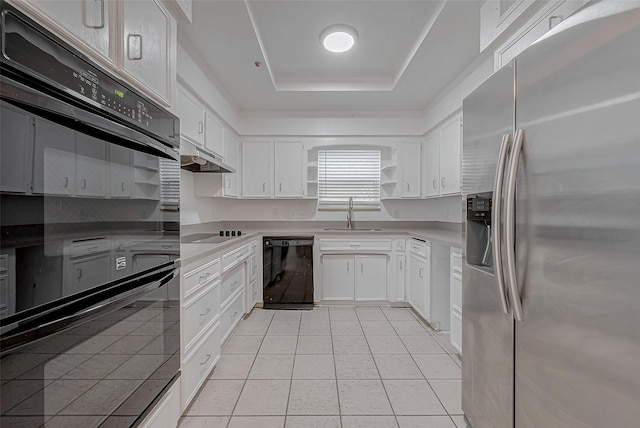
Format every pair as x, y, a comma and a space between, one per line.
498, 16
135, 39
147, 38
450, 141
288, 169
441, 159
431, 164
214, 134
410, 167
257, 170
232, 157
88, 21
191, 116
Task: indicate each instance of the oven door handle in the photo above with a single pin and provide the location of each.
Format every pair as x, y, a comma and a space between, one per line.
11, 342
78, 118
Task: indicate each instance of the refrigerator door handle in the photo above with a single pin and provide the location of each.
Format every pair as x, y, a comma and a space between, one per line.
496, 220
510, 216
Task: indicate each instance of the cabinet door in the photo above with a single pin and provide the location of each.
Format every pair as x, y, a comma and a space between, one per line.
417, 284
88, 272
91, 166
371, 277
86, 20
191, 116
431, 163
16, 137
147, 38
54, 166
400, 277
257, 169
410, 169
120, 171
450, 139
232, 155
214, 134
288, 169
337, 277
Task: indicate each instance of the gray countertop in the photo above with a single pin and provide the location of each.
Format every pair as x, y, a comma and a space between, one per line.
192, 252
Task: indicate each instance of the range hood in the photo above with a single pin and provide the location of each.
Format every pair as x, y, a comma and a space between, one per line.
197, 159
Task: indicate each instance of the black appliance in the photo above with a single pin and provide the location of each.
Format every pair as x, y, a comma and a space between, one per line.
288, 272
89, 240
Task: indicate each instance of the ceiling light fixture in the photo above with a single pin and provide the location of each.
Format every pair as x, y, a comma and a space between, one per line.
338, 38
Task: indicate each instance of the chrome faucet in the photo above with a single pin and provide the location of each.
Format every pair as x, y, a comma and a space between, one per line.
350, 214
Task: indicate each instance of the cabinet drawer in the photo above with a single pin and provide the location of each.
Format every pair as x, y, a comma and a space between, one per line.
456, 260
196, 278
231, 282
200, 312
419, 248
231, 315
78, 249
198, 363
456, 292
163, 246
399, 245
456, 330
233, 257
355, 245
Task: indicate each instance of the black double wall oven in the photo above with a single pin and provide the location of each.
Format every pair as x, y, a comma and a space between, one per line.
89, 244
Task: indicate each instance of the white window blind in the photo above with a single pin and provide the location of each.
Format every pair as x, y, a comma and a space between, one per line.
348, 173
169, 184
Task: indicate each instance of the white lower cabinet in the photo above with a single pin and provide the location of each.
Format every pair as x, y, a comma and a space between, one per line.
354, 277
231, 315
420, 279
197, 363
456, 298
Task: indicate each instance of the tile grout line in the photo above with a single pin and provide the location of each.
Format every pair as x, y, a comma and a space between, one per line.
335, 369
293, 367
255, 357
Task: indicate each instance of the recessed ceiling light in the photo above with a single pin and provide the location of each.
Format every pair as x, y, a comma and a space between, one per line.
338, 38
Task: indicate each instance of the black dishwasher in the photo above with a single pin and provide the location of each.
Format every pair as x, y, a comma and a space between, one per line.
288, 272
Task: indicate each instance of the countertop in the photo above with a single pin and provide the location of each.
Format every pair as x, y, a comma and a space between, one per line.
192, 252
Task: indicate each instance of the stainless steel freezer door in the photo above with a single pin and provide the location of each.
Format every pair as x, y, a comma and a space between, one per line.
487, 332
578, 347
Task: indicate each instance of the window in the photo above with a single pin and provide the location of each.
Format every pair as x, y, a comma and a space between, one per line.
169, 184
349, 173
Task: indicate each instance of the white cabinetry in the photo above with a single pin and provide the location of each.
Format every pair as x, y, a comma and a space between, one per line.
87, 21
54, 168
420, 278
91, 166
191, 115
135, 39
257, 169
396, 290
288, 169
410, 167
337, 277
370, 277
214, 134
441, 174
120, 171
456, 298
149, 33
231, 182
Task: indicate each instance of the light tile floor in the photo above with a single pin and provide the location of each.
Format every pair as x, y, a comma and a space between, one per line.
332, 367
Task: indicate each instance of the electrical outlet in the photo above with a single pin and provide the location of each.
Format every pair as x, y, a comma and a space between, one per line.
292, 214
275, 213
302, 214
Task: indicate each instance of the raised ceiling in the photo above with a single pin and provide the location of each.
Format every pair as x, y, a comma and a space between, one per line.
407, 52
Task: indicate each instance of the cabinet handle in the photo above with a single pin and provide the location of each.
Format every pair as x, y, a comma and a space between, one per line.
134, 45
66, 182
204, 277
228, 183
435, 185
84, 183
347, 266
400, 264
281, 187
122, 186
234, 314
206, 312
354, 245
442, 182
408, 187
205, 360
90, 9
361, 268
555, 20
200, 127
264, 187
79, 273
421, 272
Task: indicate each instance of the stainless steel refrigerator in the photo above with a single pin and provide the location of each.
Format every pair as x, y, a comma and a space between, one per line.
551, 183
